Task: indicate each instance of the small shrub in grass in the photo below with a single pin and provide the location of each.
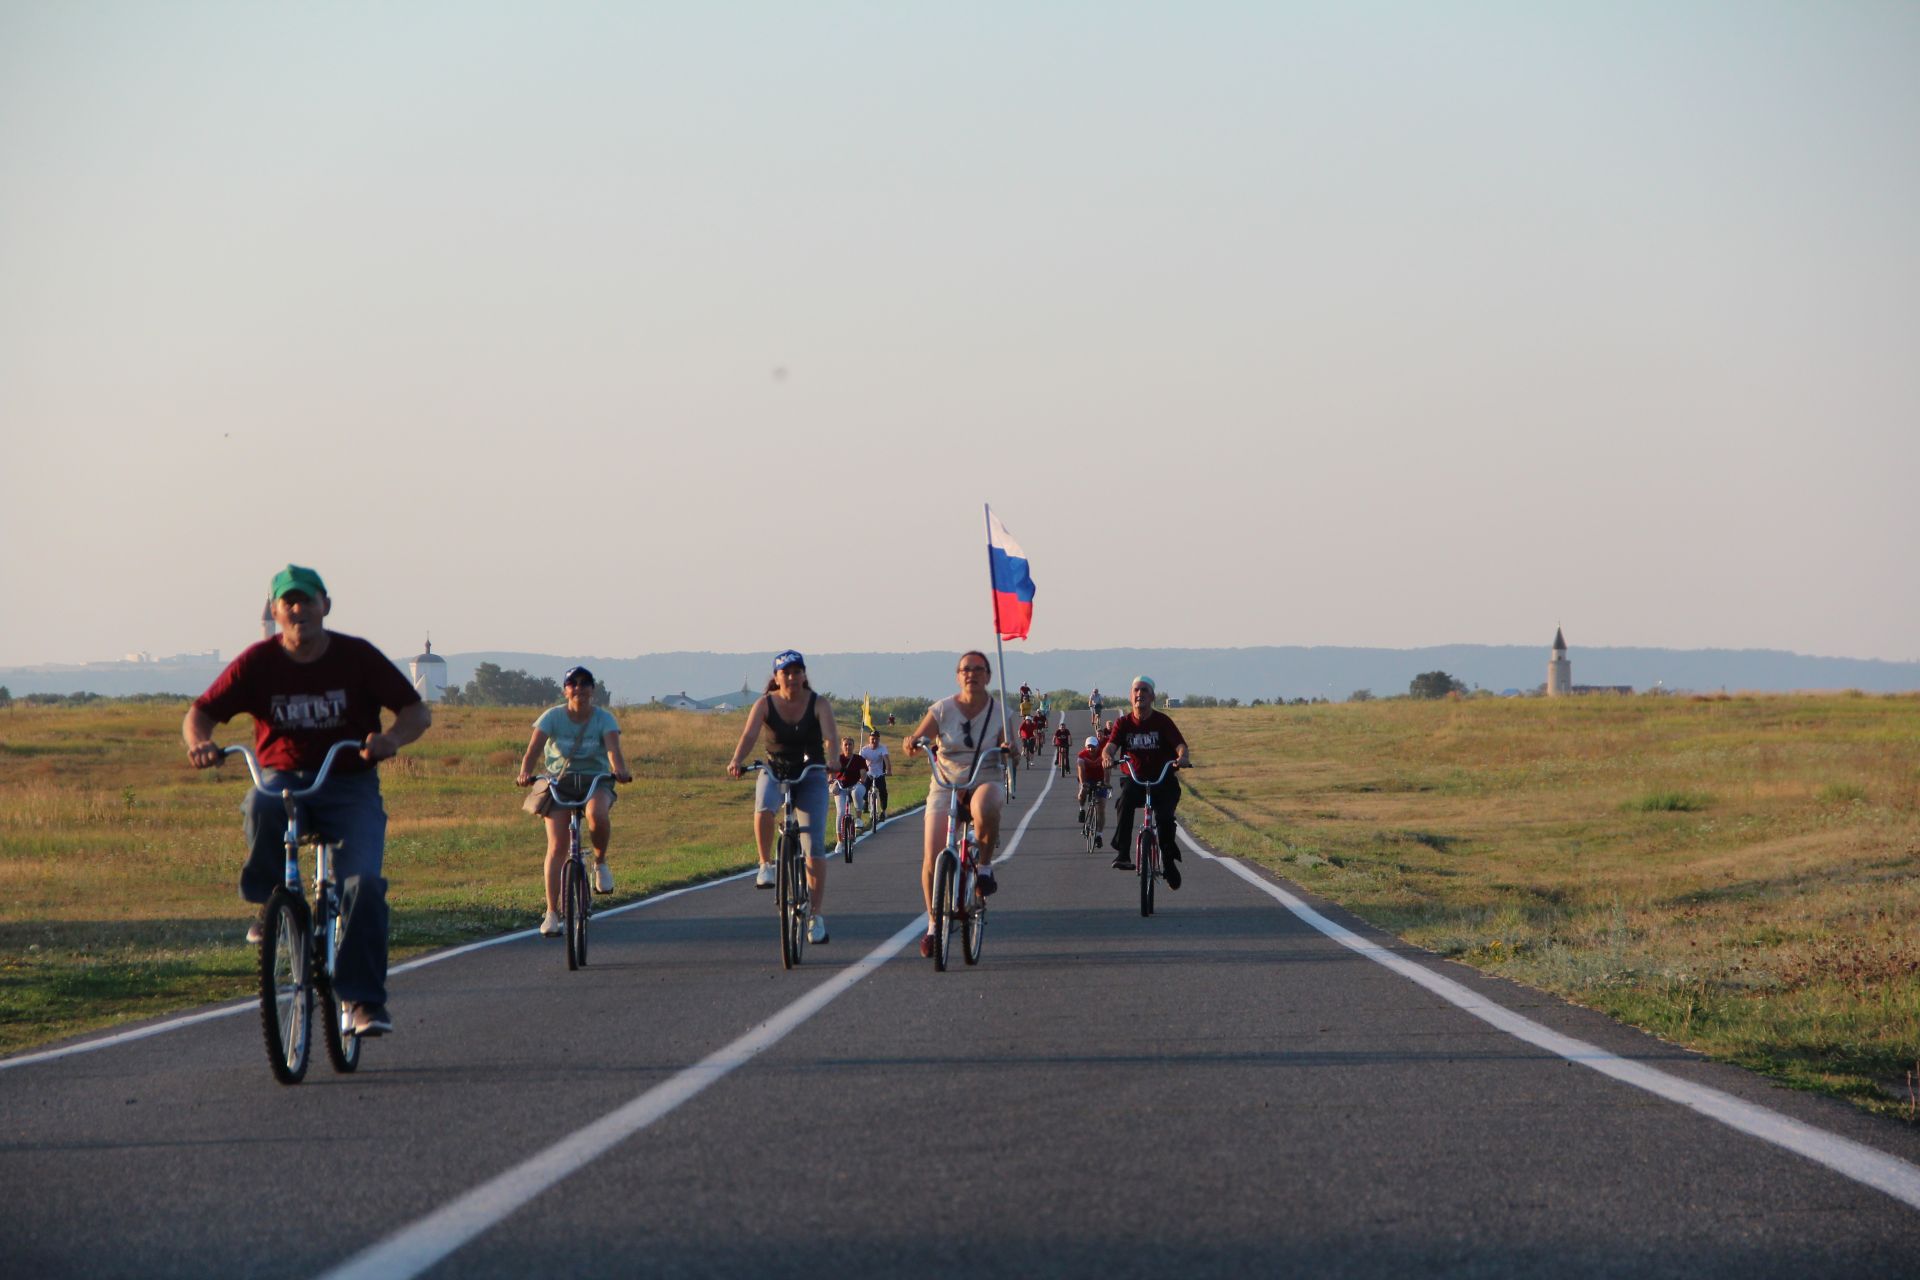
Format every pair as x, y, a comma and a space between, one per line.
1670, 802
1841, 793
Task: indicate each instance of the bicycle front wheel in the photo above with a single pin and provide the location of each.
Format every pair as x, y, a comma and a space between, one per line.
790, 885
343, 1047
848, 830
573, 907
1147, 856
944, 874
286, 985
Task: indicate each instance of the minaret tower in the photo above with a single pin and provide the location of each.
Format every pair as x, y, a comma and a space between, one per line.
1559, 670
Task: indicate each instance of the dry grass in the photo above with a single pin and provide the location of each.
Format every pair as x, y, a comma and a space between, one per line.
1735, 874
118, 861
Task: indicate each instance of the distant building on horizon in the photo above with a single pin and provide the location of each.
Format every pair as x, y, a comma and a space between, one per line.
1560, 674
429, 672
1559, 669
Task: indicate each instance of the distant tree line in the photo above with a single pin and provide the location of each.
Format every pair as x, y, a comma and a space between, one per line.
492, 686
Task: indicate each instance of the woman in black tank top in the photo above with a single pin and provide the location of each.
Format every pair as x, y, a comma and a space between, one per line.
799, 724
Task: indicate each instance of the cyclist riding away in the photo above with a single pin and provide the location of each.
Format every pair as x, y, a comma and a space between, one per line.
574, 741
306, 689
849, 775
801, 724
879, 766
1093, 786
1150, 739
964, 729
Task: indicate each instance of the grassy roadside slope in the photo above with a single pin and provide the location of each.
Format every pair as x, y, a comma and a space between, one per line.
1736, 875
118, 861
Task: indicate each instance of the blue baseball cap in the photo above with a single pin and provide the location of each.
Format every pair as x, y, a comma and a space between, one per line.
577, 675
788, 658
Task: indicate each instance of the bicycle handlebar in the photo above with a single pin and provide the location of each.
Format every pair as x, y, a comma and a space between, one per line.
260, 781
581, 803
973, 775
761, 766
1126, 764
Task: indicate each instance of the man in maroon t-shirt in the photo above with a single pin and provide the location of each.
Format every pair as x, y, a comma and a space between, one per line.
306, 689
1149, 739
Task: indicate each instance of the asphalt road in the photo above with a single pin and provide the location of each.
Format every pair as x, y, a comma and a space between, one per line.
1223, 1089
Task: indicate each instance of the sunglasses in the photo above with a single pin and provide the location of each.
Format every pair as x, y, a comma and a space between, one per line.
581, 684
973, 671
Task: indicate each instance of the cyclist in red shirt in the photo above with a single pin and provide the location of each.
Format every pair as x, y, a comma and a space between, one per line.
1061, 741
1150, 739
307, 688
1093, 788
849, 781
1026, 736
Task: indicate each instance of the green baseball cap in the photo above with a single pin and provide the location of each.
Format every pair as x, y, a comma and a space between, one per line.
298, 578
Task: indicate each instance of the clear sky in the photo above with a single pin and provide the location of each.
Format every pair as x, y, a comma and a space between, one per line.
616, 328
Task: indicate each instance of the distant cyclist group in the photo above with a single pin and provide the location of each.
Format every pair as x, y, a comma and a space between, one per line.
312, 691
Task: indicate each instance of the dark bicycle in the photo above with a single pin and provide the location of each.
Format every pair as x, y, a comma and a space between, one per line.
576, 900
299, 942
795, 900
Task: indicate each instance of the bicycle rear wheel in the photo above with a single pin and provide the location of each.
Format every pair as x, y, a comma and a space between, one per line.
973, 925
1148, 857
286, 985
343, 1047
944, 873
573, 908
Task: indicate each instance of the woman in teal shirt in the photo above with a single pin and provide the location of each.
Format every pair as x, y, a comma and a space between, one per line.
575, 741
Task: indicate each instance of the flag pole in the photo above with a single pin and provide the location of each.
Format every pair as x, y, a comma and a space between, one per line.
1000, 650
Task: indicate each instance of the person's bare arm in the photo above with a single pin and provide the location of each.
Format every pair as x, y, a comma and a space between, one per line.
197, 729
535, 745
756, 720
616, 757
409, 723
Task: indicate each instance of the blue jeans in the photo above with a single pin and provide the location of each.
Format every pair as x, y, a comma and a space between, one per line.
347, 810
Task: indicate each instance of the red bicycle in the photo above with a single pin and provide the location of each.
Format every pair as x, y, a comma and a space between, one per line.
1146, 841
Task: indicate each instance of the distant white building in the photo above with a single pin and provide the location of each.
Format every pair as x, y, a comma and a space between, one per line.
429, 672
1559, 670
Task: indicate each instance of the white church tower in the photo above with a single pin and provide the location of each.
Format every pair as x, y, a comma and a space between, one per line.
429, 672
1559, 670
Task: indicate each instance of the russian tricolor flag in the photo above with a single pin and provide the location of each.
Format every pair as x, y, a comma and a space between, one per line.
1012, 584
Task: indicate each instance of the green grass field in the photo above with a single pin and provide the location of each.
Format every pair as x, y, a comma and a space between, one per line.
119, 861
1737, 875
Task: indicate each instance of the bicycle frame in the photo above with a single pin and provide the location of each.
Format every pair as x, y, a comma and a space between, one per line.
576, 895
795, 901
964, 900
287, 1010
1149, 833
323, 849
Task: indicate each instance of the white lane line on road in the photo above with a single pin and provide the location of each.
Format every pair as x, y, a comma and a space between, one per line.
425, 1242
227, 1010
1867, 1165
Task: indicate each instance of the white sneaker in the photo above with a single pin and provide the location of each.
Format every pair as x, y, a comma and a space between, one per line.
818, 933
764, 879
602, 878
551, 926
257, 930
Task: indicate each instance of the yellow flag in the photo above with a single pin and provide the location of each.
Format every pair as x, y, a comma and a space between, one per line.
866, 712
